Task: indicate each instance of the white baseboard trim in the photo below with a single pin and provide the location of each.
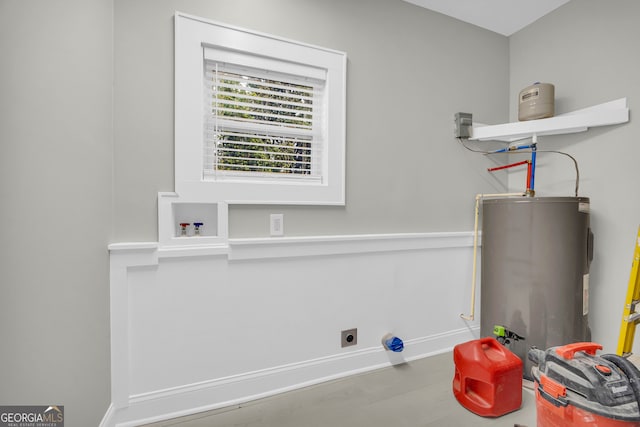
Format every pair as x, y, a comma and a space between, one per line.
189, 399
108, 416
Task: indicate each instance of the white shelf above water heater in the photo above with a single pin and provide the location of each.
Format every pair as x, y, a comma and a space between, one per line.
609, 113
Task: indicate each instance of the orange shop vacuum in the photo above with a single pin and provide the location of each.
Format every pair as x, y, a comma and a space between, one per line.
576, 388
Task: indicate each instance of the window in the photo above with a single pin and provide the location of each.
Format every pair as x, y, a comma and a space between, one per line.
271, 128
261, 124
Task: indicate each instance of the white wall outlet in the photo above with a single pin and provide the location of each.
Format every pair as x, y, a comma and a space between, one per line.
277, 224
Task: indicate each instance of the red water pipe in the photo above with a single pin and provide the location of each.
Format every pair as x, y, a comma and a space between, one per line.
508, 166
529, 171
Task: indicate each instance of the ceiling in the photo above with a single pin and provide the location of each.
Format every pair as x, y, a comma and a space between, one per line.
501, 16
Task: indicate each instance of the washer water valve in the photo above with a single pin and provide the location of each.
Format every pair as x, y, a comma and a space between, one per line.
197, 226
183, 228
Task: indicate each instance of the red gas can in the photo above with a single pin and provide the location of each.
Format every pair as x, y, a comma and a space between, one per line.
488, 377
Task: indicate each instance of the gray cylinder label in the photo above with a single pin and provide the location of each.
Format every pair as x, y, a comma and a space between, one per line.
529, 95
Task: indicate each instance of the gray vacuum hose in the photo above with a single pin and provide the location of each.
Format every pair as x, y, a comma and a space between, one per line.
629, 369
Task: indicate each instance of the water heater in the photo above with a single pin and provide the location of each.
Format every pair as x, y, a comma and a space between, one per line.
536, 253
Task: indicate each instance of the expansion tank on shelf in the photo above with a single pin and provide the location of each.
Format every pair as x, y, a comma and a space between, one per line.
536, 253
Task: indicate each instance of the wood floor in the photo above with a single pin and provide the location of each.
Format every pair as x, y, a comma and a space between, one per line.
417, 393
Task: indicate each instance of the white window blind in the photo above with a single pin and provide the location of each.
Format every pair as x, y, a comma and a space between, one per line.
261, 124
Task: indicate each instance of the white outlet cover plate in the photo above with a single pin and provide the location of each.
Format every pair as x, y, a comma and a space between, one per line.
276, 224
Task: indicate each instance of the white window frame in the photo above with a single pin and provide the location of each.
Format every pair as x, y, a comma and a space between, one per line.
192, 35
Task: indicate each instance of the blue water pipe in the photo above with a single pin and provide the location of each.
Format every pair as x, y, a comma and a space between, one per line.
533, 167
512, 148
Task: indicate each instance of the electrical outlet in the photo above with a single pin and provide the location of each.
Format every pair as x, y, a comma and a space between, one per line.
349, 337
463, 121
277, 224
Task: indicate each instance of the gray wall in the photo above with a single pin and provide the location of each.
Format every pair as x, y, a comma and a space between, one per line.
56, 174
407, 74
87, 138
589, 50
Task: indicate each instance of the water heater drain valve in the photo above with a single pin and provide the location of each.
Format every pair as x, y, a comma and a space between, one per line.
505, 336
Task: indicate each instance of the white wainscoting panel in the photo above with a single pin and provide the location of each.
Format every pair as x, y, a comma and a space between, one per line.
199, 329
